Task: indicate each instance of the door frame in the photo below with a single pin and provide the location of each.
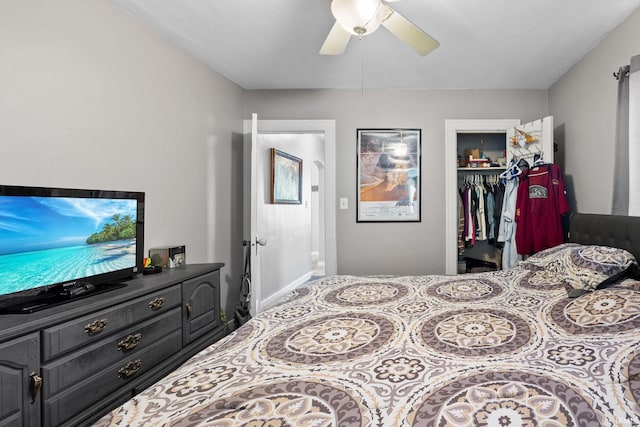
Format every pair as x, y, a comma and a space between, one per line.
326, 128
452, 128
542, 129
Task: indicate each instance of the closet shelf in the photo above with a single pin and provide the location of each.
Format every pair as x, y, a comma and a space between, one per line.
483, 169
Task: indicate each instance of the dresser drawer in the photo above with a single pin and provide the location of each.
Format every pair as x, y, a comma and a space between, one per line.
89, 329
76, 366
94, 389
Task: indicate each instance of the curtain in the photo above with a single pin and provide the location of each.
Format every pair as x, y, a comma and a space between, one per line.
634, 136
626, 180
620, 203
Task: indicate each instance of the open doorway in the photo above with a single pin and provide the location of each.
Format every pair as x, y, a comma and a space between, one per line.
281, 245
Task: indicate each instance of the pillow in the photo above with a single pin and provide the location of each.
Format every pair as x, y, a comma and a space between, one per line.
581, 266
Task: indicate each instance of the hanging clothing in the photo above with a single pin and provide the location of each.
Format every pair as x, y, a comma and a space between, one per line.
472, 222
477, 217
507, 231
472, 198
461, 217
497, 211
490, 216
481, 232
541, 202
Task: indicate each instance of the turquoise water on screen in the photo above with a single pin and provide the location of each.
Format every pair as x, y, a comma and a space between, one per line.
26, 270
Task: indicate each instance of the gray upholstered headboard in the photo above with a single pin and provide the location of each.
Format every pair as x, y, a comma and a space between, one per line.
606, 230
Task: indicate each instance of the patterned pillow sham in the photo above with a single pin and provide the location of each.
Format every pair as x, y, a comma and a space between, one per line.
581, 266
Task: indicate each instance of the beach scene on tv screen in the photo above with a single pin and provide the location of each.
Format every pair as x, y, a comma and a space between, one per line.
47, 240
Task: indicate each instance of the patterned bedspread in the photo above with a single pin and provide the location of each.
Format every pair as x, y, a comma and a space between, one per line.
505, 348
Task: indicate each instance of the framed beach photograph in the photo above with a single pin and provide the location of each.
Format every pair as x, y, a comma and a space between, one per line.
286, 178
389, 175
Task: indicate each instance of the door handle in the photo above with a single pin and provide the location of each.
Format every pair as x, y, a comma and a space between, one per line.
259, 242
35, 385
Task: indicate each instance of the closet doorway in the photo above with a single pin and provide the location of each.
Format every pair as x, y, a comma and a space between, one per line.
541, 129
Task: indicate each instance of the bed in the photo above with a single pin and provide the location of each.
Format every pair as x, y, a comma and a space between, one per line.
505, 348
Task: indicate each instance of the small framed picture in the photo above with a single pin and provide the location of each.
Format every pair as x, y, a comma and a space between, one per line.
388, 175
286, 178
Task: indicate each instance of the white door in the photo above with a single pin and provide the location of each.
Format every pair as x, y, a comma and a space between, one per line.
253, 240
540, 130
256, 175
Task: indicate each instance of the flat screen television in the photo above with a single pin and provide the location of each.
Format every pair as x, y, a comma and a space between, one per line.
61, 243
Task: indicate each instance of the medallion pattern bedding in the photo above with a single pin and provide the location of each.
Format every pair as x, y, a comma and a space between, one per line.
505, 348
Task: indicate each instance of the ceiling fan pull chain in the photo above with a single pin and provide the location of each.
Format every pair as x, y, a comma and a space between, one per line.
362, 74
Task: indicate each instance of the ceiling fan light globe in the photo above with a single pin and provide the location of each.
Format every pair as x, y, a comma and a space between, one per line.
358, 17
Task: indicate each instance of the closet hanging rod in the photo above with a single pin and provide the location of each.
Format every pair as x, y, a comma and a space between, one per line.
616, 74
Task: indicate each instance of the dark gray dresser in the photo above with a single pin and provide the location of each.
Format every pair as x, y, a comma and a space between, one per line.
69, 364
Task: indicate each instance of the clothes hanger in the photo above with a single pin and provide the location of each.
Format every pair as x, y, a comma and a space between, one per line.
512, 171
523, 164
538, 159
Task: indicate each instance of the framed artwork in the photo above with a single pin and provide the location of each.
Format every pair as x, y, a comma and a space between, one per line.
389, 175
286, 178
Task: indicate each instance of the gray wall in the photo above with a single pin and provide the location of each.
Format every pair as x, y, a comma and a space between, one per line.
91, 98
583, 103
409, 248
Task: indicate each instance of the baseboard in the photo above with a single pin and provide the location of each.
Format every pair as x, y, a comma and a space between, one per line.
271, 300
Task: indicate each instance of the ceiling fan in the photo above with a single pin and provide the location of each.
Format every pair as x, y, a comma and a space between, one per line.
363, 17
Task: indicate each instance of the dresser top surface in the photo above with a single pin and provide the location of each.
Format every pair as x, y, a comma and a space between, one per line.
13, 325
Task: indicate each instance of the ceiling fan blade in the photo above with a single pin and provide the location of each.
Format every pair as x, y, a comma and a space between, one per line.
336, 42
406, 31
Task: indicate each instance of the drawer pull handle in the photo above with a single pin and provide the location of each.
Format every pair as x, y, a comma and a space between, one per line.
156, 303
130, 368
96, 326
36, 385
130, 342
189, 310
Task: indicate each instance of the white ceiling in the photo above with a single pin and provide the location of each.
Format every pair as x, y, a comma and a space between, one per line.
484, 44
